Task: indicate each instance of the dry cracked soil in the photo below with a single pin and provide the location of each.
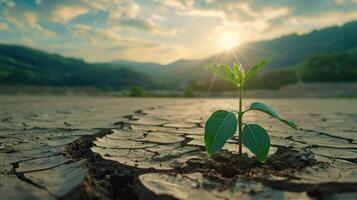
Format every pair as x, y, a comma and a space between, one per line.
122, 148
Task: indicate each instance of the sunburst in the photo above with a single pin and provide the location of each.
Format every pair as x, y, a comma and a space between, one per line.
229, 40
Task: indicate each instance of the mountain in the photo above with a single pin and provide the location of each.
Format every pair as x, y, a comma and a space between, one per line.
165, 75
284, 52
154, 70
21, 65
332, 67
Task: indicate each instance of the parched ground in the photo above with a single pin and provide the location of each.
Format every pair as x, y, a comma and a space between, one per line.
120, 148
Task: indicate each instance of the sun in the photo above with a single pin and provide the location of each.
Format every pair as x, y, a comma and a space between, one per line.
229, 40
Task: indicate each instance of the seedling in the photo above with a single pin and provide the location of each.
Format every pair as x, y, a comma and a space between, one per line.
222, 125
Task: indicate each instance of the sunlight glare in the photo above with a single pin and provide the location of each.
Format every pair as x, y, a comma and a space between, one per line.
229, 40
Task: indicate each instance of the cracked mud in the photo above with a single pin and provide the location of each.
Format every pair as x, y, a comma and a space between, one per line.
106, 152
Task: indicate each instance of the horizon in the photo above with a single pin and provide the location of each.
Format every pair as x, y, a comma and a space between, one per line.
161, 31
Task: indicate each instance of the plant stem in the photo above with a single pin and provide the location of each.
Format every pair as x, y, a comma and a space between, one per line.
240, 117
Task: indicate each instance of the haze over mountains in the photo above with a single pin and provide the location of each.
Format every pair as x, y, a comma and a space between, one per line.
284, 52
22, 65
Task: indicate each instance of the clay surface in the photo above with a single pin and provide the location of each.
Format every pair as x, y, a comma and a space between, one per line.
73, 148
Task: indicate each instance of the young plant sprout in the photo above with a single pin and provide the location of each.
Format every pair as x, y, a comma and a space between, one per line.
222, 125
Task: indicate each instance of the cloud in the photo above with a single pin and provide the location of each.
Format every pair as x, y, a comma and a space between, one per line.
8, 4
101, 5
253, 18
345, 1
63, 13
24, 19
146, 25
116, 14
129, 10
110, 37
110, 45
180, 4
3, 26
127, 16
43, 31
137, 29
82, 30
243, 10
133, 9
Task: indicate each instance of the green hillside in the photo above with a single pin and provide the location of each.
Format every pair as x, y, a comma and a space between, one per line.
25, 66
326, 55
337, 67
284, 52
319, 68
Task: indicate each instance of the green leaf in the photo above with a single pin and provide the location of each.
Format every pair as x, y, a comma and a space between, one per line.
217, 71
239, 73
222, 71
230, 73
257, 140
268, 110
219, 128
255, 69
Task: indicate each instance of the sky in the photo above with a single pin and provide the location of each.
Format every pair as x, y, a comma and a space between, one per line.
160, 31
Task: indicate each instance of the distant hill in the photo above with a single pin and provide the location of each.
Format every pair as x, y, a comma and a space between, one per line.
21, 65
289, 55
333, 67
284, 52
154, 70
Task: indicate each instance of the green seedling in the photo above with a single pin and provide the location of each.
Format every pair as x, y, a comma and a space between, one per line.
222, 125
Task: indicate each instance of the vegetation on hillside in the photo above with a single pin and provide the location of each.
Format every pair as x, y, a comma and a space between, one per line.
327, 55
24, 66
340, 67
285, 52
